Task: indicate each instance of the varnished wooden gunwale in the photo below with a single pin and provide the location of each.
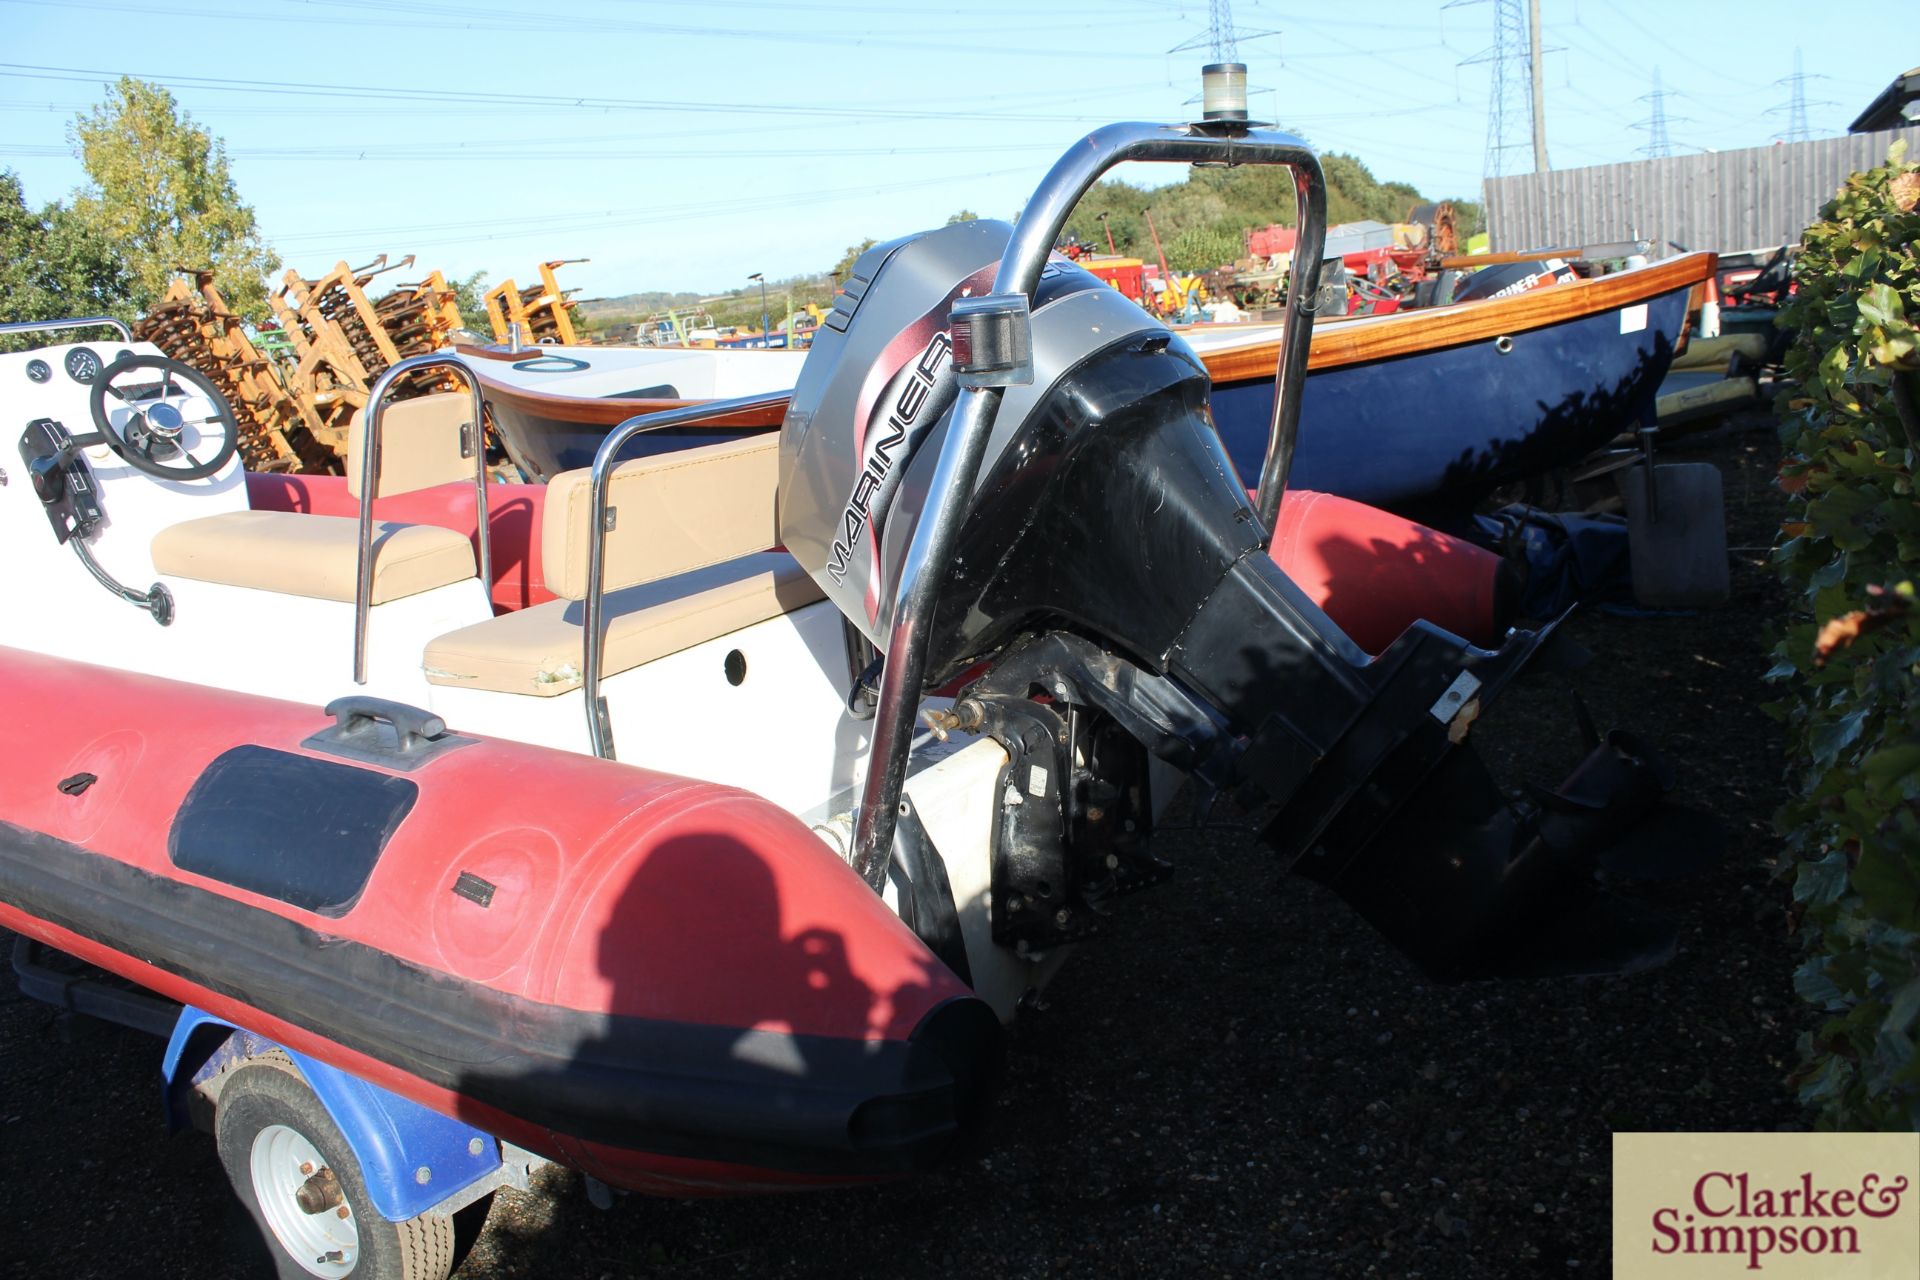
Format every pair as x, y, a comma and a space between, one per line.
1406, 333
608, 411
537, 350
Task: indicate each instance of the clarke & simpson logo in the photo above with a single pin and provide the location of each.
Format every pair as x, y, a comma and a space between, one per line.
1783, 1205
1727, 1215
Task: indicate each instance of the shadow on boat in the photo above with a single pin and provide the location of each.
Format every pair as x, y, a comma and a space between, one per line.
745, 1048
1569, 430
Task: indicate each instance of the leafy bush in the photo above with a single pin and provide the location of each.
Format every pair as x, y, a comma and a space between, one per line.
52, 265
1202, 249
1850, 660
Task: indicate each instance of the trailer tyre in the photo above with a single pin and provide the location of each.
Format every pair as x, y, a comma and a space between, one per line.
285, 1156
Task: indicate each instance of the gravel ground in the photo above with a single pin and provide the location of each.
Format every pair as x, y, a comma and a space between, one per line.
1241, 1079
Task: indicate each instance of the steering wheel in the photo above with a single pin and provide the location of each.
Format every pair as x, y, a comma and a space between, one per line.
155, 430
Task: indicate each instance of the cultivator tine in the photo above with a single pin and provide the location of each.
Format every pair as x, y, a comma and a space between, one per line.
195, 327
293, 413
544, 313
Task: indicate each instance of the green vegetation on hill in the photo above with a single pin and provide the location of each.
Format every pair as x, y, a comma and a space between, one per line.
1202, 222
1215, 207
738, 307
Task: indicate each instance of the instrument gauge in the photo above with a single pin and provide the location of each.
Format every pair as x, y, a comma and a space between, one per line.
37, 371
82, 365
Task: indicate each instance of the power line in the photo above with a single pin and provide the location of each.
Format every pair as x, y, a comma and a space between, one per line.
1692, 59
466, 10
573, 221
385, 93
440, 18
1299, 19
332, 110
467, 153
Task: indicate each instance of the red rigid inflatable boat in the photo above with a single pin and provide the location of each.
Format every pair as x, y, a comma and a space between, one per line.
669, 966
651, 863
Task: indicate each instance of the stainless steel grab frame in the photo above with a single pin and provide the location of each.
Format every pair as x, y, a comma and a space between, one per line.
930, 553
369, 479
599, 727
82, 322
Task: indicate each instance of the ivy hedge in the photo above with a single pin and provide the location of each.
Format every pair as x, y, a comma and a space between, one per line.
1848, 660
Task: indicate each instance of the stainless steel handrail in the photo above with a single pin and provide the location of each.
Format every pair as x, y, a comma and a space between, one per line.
930, 553
599, 727
82, 322
369, 480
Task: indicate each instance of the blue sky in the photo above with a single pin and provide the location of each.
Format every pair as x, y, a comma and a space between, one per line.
684, 146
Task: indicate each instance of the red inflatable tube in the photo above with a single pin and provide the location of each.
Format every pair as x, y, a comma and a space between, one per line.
671, 983
1375, 573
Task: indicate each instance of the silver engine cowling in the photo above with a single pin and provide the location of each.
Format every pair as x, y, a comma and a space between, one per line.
879, 385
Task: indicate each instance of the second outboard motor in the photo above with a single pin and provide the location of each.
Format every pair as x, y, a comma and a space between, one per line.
1114, 580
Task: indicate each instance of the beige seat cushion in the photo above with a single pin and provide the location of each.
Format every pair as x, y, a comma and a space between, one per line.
307, 555
538, 650
675, 512
419, 444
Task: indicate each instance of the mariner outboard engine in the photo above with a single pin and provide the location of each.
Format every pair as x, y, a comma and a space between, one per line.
1113, 580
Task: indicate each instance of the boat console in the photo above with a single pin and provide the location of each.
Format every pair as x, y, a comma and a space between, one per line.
110, 441
134, 535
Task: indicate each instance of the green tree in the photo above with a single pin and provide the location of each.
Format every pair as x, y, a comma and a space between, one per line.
1202, 249
163, 195
470, 295
1125, 208
52, 265
965, 215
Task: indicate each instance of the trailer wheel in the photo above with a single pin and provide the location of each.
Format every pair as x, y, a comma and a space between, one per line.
298, 1181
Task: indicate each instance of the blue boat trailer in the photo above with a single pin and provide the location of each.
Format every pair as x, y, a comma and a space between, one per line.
403, 1162
412, 1159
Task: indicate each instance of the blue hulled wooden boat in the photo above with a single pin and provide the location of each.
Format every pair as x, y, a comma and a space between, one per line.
1429, 409
1420, 411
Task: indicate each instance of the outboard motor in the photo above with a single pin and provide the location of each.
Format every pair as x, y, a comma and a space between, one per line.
1113, 580
1504, 279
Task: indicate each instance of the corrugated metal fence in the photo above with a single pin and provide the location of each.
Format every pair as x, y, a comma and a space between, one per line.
1724, 201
